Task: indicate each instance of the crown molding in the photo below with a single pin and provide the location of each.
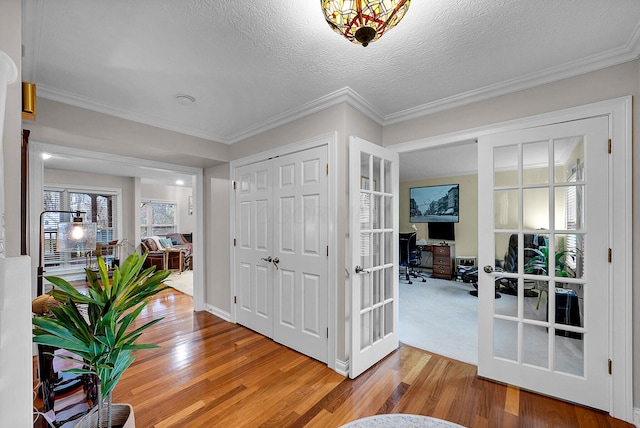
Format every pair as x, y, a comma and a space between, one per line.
629, 52
83, 102
344, 95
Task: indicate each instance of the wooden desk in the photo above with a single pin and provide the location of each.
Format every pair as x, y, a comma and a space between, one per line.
443, 256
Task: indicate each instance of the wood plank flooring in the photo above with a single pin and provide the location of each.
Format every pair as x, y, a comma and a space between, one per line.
211, 373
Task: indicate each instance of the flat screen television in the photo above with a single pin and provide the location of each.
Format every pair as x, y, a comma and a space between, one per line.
434, 204
444, 231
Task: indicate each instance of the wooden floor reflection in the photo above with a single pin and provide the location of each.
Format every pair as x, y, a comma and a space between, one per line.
212, 373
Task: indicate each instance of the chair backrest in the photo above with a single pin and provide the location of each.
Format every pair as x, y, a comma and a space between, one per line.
407, 247
511, 256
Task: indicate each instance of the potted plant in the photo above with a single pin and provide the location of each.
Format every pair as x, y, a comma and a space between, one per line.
538, 264
101, 340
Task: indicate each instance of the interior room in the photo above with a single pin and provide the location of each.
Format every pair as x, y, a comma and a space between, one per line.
452, 336
311, 139
165, 199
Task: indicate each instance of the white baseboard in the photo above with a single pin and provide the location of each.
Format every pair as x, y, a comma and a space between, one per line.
217, 312
636, 416
342, 367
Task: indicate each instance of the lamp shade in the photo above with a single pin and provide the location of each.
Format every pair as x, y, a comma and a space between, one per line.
364, 21
77, 236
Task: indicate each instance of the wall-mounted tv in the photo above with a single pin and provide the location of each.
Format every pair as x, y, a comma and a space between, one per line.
434, 204
440, 230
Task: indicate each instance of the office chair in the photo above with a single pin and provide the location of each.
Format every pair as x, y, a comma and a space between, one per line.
410, 256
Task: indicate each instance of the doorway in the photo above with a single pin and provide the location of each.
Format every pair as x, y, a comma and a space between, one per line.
85, 162
447, 313
618, 112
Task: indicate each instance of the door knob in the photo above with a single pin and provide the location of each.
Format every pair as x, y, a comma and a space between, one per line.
360, 270
275, 262
267, 259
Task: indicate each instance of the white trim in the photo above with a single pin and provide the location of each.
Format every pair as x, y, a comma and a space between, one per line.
36, 187
11, 70
628, 52
331, 141
342, 367
176, 218
218, 312
636, 417
619, 111
344, 95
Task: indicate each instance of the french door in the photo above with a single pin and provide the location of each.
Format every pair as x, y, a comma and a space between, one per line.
373, 190
543, 235
281, 266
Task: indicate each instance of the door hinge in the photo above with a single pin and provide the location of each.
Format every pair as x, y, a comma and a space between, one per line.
328, 334
235, 299
609, 257
609, 366
326, 167
609, 146
234, 242
327, 251
235, 185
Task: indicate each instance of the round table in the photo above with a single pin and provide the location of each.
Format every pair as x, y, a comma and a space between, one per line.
400, 420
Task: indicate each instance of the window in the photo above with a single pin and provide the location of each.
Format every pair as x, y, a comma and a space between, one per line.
158, 218
100, 207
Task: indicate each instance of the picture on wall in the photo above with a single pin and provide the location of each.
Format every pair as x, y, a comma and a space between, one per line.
434, 204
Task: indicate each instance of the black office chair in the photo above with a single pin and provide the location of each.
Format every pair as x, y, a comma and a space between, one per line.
410, 256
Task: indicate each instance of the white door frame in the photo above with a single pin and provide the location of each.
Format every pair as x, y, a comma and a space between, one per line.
36, 187
619, 113
330, 140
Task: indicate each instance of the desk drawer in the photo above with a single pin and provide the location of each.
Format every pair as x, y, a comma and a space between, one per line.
441, 261
441, 251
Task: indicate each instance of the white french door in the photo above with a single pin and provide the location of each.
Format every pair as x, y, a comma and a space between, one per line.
543, 234
281, 250
373, 190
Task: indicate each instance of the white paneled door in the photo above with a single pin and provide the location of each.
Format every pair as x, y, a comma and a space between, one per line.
281, 265
373, 190
543, 222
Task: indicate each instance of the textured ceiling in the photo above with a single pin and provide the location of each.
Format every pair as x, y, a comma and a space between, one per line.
252, 65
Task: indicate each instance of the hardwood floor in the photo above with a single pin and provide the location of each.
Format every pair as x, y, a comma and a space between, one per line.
211, 373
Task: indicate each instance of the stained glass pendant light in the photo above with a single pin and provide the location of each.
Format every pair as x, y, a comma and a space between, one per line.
364, 21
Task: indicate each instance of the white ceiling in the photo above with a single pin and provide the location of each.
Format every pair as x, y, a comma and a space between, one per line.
252, 65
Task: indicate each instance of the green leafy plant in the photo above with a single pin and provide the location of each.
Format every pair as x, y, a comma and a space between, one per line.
538, 264
101, 340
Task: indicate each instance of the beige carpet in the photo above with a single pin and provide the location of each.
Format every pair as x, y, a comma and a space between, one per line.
182, 282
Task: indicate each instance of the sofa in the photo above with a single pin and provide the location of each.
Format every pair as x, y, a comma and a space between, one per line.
163, 255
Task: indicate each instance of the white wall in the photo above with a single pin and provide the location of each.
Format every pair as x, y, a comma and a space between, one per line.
217, 240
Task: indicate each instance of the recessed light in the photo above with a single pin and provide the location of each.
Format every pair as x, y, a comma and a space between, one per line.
179, 182
185, 100
46, 156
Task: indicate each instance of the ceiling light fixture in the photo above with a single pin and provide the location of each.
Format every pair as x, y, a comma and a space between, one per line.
364, 21
185, 100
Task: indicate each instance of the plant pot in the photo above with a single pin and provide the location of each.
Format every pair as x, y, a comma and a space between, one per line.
121, 417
